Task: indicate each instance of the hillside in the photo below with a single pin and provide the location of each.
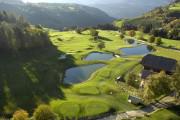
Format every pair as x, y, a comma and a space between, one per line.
118, 8
162, 22
128, 9
16, 34
58, 15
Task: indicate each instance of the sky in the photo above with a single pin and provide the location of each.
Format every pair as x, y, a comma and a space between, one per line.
62, 1
87, 2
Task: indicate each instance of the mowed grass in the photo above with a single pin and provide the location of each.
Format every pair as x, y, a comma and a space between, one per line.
164, 114
99, 93
81, 44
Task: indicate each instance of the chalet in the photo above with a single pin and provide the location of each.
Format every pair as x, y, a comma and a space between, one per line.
157, 64
153, 64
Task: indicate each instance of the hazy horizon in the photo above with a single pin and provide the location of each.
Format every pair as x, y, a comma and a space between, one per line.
86, 1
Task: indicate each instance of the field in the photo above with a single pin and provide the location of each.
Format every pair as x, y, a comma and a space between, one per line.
34, 78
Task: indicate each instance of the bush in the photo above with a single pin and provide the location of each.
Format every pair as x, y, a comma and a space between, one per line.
78, 31
94, 33
151, 39
101, 45
132, 80
132, 33
121, 36
158, 41
20, 115
43, 112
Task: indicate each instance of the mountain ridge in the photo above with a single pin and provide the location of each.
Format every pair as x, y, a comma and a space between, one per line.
58, 15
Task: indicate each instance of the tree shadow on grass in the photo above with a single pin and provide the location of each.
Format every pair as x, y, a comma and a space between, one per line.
104, 38
31, 78
175, 109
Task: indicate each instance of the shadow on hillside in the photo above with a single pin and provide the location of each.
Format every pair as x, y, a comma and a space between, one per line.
31, 78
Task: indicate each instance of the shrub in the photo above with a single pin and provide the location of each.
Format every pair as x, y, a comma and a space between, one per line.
43, 112
121, 36
132, 33
78, 31
20, 115
94, 33
132, 80
151, 39
158, 41
101, 45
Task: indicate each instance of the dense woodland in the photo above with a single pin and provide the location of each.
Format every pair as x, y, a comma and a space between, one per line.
17, 34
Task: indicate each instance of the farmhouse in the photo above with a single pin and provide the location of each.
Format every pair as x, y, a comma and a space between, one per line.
158, 63
153, 64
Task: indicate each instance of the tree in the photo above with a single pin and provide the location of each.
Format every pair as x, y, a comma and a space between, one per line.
78, 31
157, 85
43, 112
175, 82
94, 33
158, 41
20, 115
132, 33
151, 39
121, 36
132, 80
101, 45
16, 34
146, 27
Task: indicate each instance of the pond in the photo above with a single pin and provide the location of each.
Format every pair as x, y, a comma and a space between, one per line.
137, 50
99, 56
81, 73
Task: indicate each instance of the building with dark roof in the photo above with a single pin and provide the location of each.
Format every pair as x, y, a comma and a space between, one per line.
158, 63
